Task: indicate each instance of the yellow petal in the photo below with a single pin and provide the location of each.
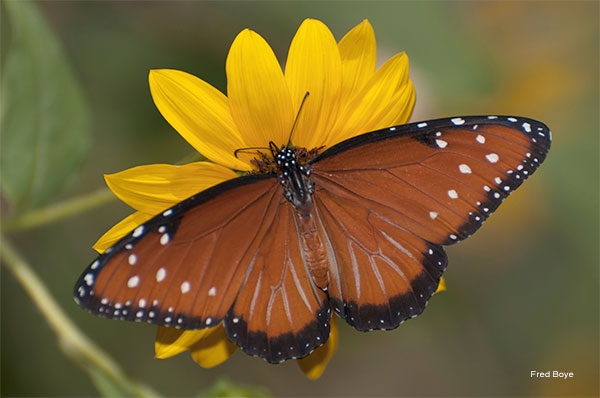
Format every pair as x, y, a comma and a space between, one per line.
154, 188
259, 98
382, 102
213, 349
441, 286
171, 341
358, 51
314, 65
120, 230
408, 96
200, 113
314, 364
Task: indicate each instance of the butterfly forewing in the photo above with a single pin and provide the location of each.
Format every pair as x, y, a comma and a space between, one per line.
441, 180
183, 268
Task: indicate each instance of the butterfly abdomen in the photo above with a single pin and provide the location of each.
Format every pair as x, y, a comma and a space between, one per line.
313, 251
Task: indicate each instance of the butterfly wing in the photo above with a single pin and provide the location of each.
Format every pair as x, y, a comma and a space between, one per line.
279, 313
234, 243
184, 267
386, 201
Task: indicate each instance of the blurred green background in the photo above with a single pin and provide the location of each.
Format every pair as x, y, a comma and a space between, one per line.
523, 293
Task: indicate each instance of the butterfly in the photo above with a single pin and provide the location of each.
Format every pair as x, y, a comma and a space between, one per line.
358, 228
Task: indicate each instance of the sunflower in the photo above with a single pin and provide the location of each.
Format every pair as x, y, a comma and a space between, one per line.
348, 97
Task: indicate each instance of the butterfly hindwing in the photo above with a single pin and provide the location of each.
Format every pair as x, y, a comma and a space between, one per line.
379, 273
279, 313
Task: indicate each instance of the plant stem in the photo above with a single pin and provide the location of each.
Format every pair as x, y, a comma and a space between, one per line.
72, 341
54, 212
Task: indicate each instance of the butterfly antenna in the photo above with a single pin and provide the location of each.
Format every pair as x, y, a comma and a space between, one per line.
272, 146
297, 117
247, 149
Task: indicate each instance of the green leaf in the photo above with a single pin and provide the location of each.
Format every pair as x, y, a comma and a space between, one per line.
105, 385
223, 388
44, 128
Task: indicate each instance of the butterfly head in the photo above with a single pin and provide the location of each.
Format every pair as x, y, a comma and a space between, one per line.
293, 173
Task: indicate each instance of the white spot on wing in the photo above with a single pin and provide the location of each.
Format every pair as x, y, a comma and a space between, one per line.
164, 239
465, 169
167, 213
458, 121
527, 127
480, 139
492, 157
132, 260
185, 287
133, 281
161, 274
212, 291
89, 278
441, 143
421, 125
138, 231
433, 215
452, 194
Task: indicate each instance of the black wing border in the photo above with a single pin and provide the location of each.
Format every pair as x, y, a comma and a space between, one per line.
539, 132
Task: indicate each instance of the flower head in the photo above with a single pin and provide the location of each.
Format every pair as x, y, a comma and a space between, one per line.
348, 97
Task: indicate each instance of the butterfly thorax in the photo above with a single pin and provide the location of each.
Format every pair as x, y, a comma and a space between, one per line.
295, 180
291, 165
